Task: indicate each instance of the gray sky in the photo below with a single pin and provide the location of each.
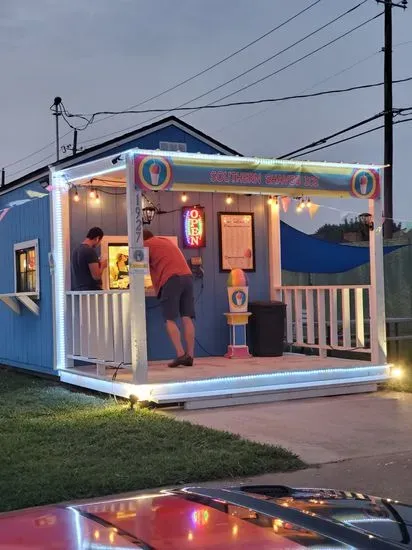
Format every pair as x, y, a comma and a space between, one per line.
102, 54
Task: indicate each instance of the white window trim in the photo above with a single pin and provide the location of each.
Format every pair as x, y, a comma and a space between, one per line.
22, 246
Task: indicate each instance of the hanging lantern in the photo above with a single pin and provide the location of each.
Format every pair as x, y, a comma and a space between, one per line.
148, 213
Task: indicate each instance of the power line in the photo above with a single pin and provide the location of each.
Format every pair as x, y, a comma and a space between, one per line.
291, 64
344, 131
264, 78
236, 103
270, 58
354, 136
335, 134
31, 165
227, 58
330, 77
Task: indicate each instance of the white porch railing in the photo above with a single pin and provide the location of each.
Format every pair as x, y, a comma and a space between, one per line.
327, 317
98, 326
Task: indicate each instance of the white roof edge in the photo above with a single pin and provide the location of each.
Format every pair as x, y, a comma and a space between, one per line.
105, 165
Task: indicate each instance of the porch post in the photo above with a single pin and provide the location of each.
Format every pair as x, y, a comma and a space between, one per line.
137, 272
275, 264
59, 265
377, 292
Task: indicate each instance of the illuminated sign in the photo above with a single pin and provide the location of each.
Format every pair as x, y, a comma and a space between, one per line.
194, 228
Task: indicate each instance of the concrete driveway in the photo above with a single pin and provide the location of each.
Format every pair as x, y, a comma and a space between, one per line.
321, 430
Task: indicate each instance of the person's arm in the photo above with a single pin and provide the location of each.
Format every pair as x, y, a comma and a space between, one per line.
96, 271
96, 267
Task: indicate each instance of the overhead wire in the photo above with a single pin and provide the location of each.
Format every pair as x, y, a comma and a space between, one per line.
275, 55
223, 60
322, 141
295, 62
313, 86
354, 136
266, 60
257, 81
246, 102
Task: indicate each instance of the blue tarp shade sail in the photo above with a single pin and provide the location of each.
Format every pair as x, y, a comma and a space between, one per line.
303, 253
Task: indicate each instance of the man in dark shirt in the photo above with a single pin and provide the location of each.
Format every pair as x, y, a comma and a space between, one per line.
86, 268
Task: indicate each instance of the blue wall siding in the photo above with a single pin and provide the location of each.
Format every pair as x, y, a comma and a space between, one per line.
152, 141
211, 303
26, 340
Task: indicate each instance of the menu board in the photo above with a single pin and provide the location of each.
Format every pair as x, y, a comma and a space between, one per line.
236, 239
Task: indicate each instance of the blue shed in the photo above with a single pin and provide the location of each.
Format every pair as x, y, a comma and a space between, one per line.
113, 340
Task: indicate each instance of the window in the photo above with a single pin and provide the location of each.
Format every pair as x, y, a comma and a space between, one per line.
173, 146
26, 258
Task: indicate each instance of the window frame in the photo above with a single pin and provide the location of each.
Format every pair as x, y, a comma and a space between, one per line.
19, 247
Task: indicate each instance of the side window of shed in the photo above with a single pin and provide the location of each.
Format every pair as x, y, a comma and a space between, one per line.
26, 261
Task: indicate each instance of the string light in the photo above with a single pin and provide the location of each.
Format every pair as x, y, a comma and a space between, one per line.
308, 203
76, 197
92, 194
184, 197
97, 198
270, 201
229, 199
300, 206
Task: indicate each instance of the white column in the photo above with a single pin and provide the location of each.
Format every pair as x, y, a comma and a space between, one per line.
275, 265
377, 293
137, 291
60, 265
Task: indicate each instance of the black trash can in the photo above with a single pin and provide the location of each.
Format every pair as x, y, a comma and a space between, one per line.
267, 328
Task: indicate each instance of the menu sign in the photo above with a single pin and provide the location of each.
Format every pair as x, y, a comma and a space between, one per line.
236, 237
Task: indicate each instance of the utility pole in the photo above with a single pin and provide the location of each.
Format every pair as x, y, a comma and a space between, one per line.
388, 116
57, 113
74, 148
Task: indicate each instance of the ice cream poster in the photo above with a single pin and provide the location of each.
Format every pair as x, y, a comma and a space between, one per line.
237, 249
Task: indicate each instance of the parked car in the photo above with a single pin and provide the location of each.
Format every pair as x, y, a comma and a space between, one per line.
246, 517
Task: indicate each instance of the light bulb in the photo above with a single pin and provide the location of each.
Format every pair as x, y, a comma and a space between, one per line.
270, 201
308, 203
76, 197
97, 198
229, 199
92, 194
184, 197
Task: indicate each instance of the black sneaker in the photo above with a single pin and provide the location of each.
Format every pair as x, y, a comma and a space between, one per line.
183, 361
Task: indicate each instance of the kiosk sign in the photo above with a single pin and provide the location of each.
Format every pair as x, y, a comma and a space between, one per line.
194, 229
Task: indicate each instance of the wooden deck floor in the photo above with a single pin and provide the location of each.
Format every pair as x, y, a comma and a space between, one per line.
220, 367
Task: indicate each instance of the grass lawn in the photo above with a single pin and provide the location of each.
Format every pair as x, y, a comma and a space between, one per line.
59, 445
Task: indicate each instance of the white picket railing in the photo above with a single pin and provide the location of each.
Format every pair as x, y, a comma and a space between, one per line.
98, 326
327, 317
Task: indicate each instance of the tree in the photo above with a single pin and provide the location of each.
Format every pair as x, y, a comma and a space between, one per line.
336, 232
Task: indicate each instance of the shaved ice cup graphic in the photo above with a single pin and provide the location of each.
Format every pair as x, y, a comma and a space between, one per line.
363, 185
154, 170
238, 291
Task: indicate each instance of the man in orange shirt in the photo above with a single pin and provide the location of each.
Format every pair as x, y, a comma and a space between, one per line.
173, 284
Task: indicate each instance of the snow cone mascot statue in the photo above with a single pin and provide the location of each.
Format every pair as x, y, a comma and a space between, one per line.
238, 316
238, 291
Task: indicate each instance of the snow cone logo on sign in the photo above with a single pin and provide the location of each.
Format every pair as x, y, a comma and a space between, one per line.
238, 298
152, 173
365, 184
